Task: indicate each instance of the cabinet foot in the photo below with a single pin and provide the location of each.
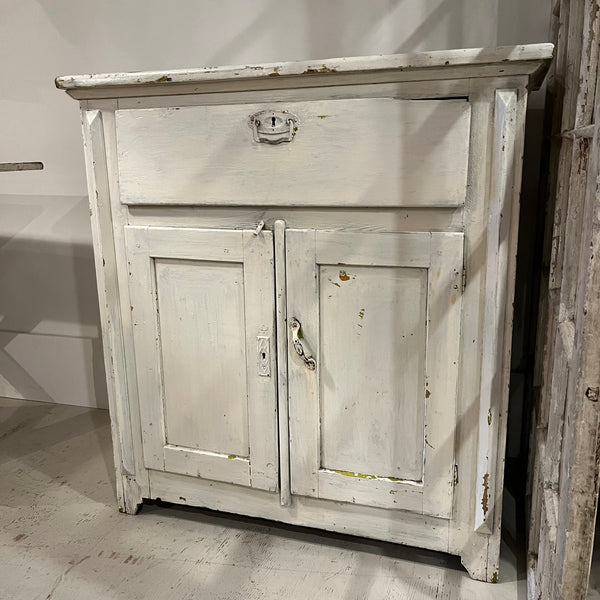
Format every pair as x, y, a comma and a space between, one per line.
479, 562
129, 496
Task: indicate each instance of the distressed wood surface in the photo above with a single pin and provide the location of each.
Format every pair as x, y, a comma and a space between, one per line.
447, 416
368, 152
340, 446
564, 465
483, 62
498, 228
348, 219
200, 299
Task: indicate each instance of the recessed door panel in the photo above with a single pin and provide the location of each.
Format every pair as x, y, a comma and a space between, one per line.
202, 311
201, 308
373, 415
373, 318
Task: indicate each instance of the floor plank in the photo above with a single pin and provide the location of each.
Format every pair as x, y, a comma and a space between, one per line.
62, 538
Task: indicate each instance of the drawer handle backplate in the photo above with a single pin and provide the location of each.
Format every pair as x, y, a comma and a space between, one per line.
273, 126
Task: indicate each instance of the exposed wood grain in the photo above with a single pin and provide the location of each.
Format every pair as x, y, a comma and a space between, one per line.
565, 463
347, 219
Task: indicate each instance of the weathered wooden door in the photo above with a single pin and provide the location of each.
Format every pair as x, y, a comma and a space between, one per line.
203, 316
374, 328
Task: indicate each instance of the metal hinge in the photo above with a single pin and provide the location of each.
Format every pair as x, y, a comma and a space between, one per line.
464, 278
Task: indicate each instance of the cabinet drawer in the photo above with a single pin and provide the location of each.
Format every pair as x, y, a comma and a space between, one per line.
367, 152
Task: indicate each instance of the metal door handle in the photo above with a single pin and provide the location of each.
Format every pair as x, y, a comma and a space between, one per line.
309, 361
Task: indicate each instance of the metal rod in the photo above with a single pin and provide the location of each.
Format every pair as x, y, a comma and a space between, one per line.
22, 166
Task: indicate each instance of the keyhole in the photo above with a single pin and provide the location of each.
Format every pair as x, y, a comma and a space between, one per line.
264, 355
272, 121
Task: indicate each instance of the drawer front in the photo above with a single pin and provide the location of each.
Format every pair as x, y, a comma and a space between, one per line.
367, 152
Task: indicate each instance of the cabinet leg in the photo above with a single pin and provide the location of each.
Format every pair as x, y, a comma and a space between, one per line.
481, 558
129, 496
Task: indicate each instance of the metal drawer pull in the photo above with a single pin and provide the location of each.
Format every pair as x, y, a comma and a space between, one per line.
309, 361
273, 126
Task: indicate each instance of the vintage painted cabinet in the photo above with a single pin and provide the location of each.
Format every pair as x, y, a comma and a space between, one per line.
306, 277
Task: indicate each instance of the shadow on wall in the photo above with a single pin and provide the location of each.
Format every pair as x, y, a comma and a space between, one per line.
50, 347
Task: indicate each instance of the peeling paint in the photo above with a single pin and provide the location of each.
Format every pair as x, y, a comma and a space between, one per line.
486, 494
361, 313
322, 69
364, 475
344, 276
163, 79
428, 444
322, 116
232, 456
489, 416
353, 474
495, 577
427, 393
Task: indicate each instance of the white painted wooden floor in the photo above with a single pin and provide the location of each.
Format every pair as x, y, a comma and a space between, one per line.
62, 538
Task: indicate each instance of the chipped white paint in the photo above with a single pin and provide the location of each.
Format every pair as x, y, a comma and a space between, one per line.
356, 152
389, 306
199, 298
386, 191
460, 63
492, 380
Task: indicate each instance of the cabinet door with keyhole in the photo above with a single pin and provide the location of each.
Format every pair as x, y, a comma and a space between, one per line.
202, 307
374, 329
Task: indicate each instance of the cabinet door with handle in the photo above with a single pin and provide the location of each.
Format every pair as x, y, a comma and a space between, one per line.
374, 328
202, 307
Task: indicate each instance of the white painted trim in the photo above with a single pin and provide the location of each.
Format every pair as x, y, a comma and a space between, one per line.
499, 218
532, 57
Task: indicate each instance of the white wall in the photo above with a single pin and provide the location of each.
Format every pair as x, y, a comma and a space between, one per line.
49, 344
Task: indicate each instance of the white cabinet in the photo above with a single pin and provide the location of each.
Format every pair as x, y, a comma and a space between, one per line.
306, 275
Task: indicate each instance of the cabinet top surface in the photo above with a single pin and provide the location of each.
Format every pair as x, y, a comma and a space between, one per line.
530, 60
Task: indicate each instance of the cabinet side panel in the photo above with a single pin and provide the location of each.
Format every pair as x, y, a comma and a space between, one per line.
128, 492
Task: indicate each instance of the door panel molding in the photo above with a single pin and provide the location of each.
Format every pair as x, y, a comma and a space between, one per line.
258, 466
441, 254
